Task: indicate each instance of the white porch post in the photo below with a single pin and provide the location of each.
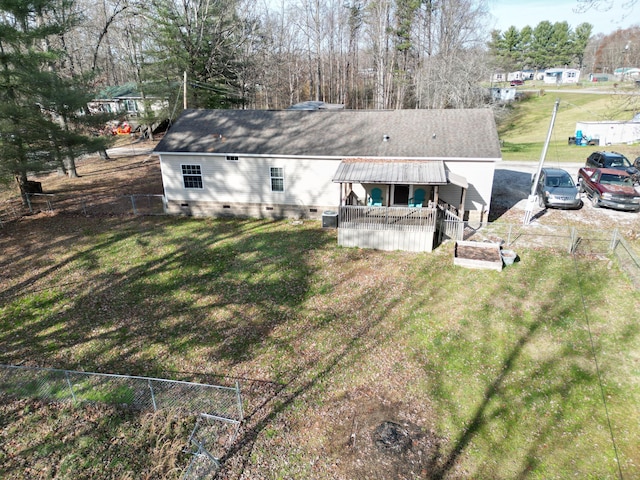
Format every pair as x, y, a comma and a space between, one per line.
462, 200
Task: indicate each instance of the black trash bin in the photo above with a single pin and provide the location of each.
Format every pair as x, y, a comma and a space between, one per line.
329, 219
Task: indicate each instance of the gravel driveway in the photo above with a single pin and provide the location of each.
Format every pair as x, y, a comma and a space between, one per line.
511, 188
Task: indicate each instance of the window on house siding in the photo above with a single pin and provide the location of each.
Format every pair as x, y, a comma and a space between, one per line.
232, 158
130, 106
277, 179
192, 176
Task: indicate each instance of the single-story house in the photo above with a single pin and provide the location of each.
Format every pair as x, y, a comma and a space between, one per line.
376, 170
127, 101
560, 76
625, 73
316, 105
498, 77
519, 75
503, 95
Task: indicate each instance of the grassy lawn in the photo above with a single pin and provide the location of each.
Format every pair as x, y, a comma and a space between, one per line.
523, 129
494, 372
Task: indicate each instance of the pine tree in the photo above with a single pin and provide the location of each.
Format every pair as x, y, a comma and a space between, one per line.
199, 37
40, 112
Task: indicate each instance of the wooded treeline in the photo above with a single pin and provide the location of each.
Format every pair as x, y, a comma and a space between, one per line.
55, 55
543, 46
362, 53
550, 45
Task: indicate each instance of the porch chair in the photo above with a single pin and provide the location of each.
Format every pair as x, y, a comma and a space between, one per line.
375, 198
418, 198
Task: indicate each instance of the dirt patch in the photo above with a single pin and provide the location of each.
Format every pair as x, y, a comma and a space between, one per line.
377, 438
478, 253
131, 169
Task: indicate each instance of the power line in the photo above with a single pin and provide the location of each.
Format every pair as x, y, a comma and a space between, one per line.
595, 359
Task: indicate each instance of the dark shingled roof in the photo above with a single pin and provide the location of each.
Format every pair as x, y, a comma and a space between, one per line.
339, 133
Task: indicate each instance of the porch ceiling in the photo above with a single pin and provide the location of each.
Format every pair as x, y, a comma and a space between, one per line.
420, 172
458, 180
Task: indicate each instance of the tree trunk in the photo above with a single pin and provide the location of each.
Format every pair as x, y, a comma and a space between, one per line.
71, 166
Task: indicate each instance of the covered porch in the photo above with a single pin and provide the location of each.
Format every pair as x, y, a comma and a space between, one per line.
395, 204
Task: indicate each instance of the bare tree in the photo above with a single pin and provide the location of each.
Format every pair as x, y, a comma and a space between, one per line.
583, 6
279, 60
453, 59
377, 24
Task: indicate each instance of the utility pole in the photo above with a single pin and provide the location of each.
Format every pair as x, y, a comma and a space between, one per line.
533, 198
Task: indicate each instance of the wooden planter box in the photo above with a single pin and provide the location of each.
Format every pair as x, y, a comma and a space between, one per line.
478, 255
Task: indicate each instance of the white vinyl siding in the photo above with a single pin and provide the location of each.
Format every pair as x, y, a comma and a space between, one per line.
307, 181
479, 174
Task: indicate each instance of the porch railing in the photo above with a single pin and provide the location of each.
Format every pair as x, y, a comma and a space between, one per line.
405, 219
451, 226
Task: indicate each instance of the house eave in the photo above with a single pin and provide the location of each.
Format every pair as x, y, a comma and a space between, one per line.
327, 157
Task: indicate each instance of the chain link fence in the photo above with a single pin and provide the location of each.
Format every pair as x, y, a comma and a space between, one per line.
11, 210
218, 409
94, 205
629, 260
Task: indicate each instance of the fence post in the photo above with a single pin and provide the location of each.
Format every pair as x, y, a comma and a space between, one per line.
28, 197
572, 239
133, 204
153, 397
73, 395
84, 207
239, 398
509, 235
614, 240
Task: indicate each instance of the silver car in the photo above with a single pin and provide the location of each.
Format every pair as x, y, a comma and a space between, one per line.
557, 189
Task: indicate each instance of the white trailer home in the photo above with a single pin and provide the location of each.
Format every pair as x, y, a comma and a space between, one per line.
609, 132
561, 76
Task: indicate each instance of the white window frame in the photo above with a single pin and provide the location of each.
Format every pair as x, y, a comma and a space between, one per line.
233, 158
273, 176
193, 171
130, 105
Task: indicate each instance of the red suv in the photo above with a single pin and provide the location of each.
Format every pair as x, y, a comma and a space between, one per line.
515, 83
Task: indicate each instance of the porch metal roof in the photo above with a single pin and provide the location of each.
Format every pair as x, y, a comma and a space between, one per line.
422, 172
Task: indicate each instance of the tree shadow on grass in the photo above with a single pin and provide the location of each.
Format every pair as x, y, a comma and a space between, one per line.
250, 271
515, 403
